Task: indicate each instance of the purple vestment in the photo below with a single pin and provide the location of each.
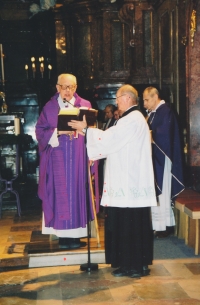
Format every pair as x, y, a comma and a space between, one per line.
165, 132
63, 175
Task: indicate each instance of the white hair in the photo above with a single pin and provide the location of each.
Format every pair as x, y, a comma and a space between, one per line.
69, 76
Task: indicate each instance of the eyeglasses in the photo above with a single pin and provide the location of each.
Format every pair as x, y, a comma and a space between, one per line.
64, 87
120, 96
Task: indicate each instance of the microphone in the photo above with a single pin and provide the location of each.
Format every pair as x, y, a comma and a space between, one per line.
65, 101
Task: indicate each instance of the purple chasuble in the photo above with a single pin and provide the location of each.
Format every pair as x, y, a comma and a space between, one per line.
62, 179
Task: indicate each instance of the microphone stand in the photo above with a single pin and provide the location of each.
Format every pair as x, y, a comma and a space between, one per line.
88, 266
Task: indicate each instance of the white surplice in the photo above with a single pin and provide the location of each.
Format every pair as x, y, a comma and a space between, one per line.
163, 215
72, 233
129, 178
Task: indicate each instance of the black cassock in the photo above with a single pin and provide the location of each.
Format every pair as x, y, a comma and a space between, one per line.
128, 237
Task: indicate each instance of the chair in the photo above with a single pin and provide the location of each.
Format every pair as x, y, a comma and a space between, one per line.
9, 181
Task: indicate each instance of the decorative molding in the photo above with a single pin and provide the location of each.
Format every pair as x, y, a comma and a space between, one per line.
126, 15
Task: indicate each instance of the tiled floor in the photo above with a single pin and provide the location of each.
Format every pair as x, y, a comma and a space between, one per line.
174, 282
169, 283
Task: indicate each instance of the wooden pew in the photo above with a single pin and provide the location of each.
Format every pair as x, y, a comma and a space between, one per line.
188, 203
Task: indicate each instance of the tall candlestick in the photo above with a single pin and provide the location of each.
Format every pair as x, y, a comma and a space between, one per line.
42, 69
2, 64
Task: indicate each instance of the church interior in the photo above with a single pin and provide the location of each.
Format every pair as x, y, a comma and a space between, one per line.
105, 44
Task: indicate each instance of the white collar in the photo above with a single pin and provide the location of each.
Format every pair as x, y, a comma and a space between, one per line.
62, 104
161, 103
131, 107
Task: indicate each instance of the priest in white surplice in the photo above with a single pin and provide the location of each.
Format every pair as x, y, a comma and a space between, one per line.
128, 190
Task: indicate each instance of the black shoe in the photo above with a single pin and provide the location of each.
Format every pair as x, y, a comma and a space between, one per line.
120, 272
135, 274
76, 244
70, 243
63, 243
64, 247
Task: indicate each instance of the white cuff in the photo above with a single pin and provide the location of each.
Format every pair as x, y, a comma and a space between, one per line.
54, 139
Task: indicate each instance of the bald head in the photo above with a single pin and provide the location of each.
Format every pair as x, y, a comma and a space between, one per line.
126, 97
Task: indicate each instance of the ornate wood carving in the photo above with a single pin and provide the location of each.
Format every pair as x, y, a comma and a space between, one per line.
126, 15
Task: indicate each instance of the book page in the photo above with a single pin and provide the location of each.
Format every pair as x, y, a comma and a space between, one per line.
86, 108
69, 111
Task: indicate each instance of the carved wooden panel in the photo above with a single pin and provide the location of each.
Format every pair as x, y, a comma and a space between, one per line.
82, 50
168, 50
165, 46
60, 42
115, 42
148, 38
97, 43
117, 62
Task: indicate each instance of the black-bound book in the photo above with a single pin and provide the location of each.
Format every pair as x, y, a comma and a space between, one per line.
67, 114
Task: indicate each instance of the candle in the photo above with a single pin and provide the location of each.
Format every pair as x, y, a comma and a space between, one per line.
50, 68
17, 126
33, 68
42, 69
2, 64
26, 68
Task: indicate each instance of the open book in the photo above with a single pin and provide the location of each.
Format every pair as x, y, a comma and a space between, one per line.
67, 114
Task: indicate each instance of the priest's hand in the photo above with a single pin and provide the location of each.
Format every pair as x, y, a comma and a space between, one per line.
91, 163
78, 125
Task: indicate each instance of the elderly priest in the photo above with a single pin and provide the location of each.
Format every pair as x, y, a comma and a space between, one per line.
63, 169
